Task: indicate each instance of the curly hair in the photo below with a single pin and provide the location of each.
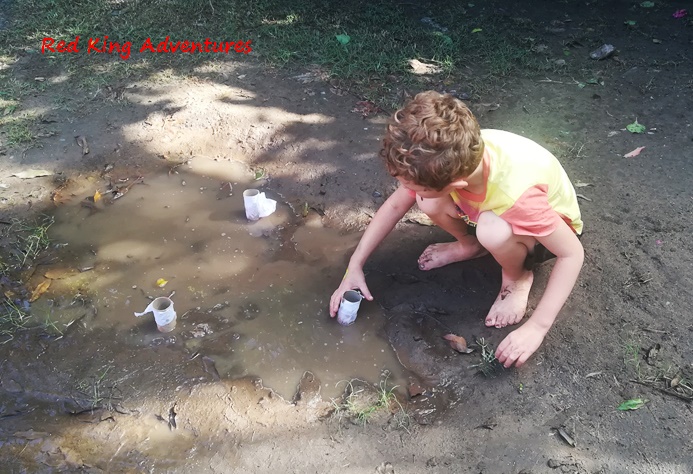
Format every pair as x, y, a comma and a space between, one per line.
432, 141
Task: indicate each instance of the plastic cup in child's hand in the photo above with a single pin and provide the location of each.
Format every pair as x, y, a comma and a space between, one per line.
349, 307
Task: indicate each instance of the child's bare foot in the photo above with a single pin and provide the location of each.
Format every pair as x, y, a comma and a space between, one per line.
511, 303
439, 255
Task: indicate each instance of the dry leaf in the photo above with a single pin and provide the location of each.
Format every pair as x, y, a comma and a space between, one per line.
635, 152
458, 343
582, 196
366, 108
161, 282
82, 142
39, 290
28, 174
97, 196
580, 184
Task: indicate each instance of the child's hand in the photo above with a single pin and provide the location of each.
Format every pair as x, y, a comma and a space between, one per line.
354, 279
520, 344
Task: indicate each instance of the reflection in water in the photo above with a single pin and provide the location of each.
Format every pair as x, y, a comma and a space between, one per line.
251, 297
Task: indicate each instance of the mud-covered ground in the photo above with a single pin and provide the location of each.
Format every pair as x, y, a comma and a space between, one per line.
625, 333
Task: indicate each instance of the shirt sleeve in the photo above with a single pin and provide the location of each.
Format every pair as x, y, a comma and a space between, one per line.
531, 214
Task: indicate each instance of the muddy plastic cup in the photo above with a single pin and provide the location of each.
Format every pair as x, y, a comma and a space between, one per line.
251, 201
164, 314
349, 307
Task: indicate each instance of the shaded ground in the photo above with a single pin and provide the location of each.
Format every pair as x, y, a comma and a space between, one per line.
634, 293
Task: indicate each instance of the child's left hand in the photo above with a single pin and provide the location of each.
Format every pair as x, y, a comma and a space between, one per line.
520, 344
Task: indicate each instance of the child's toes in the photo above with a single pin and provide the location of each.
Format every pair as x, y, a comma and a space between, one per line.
491, 320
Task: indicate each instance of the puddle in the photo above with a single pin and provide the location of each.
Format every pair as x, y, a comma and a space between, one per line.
251, 298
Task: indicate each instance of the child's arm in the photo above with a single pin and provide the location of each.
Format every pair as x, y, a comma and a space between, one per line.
392, 210
520, 344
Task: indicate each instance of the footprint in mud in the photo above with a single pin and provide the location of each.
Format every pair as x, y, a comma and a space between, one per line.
159, 341
248, 311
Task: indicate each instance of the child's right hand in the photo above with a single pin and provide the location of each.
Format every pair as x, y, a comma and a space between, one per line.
354, 279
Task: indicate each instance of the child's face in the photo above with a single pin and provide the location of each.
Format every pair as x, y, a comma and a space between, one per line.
428, 193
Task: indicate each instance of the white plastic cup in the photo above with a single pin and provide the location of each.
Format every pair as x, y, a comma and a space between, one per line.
164, 314
349, 307
251, 201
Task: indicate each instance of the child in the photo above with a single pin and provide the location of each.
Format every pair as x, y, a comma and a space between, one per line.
494, 192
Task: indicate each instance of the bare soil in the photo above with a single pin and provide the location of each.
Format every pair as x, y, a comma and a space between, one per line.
635, 292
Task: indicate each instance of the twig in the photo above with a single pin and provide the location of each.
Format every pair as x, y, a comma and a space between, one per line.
664, 390
550, 81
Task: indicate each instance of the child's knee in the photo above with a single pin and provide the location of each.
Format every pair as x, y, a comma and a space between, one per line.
492, 231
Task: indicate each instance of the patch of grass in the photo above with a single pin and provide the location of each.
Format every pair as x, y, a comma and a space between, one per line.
30, 238
18, 133
362, 401
95, 392
488, 364
471, 45
22, 242
13, 318
632, 355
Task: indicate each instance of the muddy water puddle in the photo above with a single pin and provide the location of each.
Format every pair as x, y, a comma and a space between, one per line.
251, 297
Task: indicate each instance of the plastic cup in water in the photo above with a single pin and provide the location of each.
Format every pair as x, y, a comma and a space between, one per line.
164, 314
349, 307
251, 199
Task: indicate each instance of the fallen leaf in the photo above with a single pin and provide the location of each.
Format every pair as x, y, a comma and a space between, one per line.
161, 282
39, 290
632, 404
421, 68
580, 184
82, 142
636, 127
97, 196
343, 39
28, 174
458, 343
582, 196
366, 108
635, 152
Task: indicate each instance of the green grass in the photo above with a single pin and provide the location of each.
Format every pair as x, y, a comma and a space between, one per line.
477, 47
488, 365
22, 242
95, 392
13, 319
30, 238
18, 133
361, 402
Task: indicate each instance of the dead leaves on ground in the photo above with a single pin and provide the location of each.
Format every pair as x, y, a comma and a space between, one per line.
40, 289
458, 343
366, 108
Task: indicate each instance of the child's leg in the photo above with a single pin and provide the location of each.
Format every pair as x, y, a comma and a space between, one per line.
442, 211
510, 251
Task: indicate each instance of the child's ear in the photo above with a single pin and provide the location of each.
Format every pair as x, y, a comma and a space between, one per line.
460, 183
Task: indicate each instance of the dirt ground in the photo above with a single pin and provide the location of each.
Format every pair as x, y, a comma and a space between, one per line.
626, 332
